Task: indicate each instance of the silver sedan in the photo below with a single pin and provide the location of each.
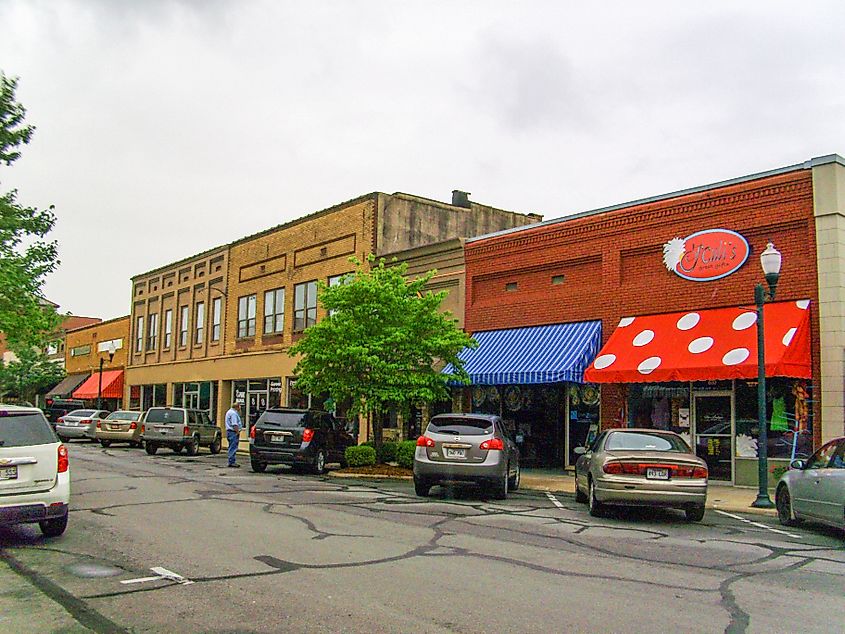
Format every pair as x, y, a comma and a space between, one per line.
641, 467
80, 423
814, 489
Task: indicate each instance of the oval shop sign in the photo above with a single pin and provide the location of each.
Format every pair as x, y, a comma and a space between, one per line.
706, 255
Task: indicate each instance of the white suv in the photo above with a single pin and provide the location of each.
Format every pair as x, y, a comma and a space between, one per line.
34, 472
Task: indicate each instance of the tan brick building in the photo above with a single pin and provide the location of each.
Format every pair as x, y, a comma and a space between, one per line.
86, 347
216, 327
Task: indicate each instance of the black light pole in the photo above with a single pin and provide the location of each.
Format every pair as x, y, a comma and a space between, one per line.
100, 381
770, 260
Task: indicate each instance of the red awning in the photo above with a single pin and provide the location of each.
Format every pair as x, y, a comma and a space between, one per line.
705, 345
112, 386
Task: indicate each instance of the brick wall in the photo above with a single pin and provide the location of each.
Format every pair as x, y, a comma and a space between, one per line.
612, 262
89, 337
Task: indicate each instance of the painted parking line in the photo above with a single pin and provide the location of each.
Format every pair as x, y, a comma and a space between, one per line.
758, 525
554, 500
162, 574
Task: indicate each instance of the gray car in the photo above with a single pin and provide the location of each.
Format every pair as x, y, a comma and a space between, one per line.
473, 448
80, 423
641, 467
179, 428
814, 489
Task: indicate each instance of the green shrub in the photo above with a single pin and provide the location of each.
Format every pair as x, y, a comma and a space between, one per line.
361, 456
387, 453
405, 453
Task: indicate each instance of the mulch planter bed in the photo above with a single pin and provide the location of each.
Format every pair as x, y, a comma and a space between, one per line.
379, 470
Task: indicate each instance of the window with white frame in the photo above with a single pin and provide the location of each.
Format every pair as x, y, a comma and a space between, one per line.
199, 322
183, 326
334, 280
139, 335
152, 331
274, 311
168, 327
81, 351
216, 309
304, 305
246, 316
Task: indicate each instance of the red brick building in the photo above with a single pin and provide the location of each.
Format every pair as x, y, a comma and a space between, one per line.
606, 265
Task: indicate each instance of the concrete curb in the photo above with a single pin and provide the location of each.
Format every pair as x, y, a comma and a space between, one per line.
367, 476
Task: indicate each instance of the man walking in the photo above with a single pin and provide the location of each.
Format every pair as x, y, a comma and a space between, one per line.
233, 430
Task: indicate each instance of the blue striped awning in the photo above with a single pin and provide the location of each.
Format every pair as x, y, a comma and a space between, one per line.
536, 354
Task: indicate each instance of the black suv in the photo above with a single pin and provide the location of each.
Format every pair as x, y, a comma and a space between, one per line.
299, 438
58, 407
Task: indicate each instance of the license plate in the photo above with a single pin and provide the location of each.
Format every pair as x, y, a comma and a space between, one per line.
278, 439
8, 473
114, 427
657, 474
454, 453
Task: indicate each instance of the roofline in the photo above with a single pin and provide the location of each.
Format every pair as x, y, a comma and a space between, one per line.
810, 164
99, 323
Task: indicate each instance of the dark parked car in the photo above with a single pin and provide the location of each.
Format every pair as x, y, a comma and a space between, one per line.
474, 448
58, 407
298, 438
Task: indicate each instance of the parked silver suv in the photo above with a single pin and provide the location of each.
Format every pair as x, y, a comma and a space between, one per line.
474, 448
179, 428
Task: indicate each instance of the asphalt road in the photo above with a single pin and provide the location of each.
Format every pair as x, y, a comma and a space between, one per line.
281, 552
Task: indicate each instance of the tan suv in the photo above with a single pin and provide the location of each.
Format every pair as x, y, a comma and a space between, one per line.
179, 428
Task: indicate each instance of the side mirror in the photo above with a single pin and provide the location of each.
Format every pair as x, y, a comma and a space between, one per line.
798, 465
580, 450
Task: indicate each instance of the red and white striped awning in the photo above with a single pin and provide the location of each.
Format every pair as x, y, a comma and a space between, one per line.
703, 345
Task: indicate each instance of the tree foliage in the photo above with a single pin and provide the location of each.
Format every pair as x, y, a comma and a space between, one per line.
382, 342
32, 373
25, 256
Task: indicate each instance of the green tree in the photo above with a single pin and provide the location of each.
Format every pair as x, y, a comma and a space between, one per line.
32, 373
25, 257
381, 343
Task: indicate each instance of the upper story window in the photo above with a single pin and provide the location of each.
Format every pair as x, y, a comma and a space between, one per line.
304, 305
152, 331
183, 326
334, 280
246, 316
274, 311
139, 334
199, 322
216, 309
168, 327
80, 351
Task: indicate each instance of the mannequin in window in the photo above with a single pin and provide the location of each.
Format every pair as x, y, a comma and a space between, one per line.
660, 412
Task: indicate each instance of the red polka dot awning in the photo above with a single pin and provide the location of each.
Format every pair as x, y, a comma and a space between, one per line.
704, 345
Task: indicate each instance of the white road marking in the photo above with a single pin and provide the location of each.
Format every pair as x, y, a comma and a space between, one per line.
554, 500
162, 574
758, 525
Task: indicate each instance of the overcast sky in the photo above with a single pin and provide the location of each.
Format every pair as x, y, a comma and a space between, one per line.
165, 128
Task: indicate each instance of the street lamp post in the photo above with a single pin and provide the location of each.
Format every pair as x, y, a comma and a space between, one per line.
112, 350
770, 260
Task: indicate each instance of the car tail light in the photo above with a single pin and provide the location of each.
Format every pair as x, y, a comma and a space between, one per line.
252, 432
60, 419
143, 428
307, 434
186, 431
494, 444
63, 461
700, 472
133, 425
425, 441
613, 468
98, 425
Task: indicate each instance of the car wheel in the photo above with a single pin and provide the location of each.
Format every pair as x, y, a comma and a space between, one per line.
54, 527
783, 502
152, 448
193, 447
320, 462
177, 448
596, 507
258, 467
500, 488
215, 446
105, 443
580, 496
694, 513
514, 481
421, 487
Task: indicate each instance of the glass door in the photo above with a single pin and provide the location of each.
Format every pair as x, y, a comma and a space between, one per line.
714, 432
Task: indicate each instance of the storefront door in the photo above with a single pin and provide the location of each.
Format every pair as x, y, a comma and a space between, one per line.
714, 432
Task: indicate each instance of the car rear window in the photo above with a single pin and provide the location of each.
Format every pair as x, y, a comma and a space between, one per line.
123, 416
165, 416
283, 419
81, 412
643, 441
24, 429
461, 426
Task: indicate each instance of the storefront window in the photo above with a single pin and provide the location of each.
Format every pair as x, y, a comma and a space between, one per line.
584, 405
788, 415
660, 406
